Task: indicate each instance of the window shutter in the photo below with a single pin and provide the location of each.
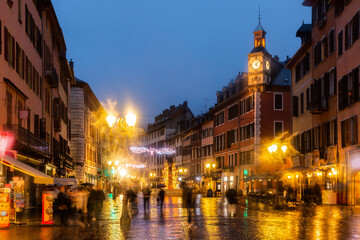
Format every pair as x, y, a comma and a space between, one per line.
295, 106
355, 73
340, 98
345, 91
326, 85
335, 81
346, 36
13, 52
312, 103
343, 144
0, 37
355, 21
17, 57
6, 43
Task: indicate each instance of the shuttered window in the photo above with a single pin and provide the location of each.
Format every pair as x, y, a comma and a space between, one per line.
295, 106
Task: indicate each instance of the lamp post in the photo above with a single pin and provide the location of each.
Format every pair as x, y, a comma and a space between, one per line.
123, 128
182, 171
210, 167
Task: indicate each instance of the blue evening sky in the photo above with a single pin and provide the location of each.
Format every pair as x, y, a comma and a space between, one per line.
151, 54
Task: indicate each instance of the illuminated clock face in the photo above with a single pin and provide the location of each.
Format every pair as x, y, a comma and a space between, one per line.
256, 64
267, 65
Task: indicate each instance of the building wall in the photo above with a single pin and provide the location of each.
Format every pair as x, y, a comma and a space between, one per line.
78, 131
349, 155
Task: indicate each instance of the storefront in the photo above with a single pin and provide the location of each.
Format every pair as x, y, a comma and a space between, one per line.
17, 181
228, 181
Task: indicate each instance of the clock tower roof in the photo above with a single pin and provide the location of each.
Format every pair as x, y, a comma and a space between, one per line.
259, 38
259, 28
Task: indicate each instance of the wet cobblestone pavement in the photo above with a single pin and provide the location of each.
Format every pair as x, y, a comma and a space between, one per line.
211, 220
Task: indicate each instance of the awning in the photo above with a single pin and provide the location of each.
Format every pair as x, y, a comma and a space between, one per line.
66, 181
40, 177
258, 177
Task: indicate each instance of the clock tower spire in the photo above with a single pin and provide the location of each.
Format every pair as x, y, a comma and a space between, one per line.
259, 59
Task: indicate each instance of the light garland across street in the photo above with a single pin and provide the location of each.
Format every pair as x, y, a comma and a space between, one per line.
160, 151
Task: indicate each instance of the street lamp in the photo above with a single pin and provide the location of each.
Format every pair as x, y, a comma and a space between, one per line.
124, 127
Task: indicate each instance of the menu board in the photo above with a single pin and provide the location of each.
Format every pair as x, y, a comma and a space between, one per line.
4, 209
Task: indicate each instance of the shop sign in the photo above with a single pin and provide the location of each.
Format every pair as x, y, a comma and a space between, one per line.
47, 209
24, 113
4, 209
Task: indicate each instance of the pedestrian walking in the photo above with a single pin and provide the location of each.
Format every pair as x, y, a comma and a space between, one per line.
187, 200
64, 204
132, 200
95, 203
146, 196
231, 197
161, 197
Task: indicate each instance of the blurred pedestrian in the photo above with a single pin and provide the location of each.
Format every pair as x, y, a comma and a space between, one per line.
95, 203
132, 200
64, 203
187, 200
146, 196
79, 199
115, 191
231, 197
161, 197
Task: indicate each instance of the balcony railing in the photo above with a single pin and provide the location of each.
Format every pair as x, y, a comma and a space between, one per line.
26, 137
319, 106
51, 75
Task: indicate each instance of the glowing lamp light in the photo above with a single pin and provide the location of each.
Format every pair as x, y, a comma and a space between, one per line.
150, 174
111, 120
214, 165
109, 162
154, 174
6, 140
123, 172
273, 148
185, 170
180, 178
297, 176
284, 148
289, 177
181, 170
225, 179
330, 173
116, 163
130, 119
208, 165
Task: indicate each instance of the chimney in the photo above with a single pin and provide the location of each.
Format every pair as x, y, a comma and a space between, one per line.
71, 63
276, 57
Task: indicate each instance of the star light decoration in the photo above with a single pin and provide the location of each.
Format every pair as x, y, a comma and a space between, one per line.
160, 151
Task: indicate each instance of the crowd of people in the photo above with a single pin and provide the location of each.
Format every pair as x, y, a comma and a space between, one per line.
78, 207
84, 205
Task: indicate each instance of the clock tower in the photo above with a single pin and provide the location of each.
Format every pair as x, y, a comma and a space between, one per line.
259, 60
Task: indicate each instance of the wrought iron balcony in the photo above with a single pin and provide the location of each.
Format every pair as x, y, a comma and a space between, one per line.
27, 138
319, 105
51, 75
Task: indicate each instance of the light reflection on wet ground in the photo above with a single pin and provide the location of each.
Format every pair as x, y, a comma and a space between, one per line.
211, 219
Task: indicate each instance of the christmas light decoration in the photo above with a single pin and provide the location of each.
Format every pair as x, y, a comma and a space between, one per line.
160, 151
